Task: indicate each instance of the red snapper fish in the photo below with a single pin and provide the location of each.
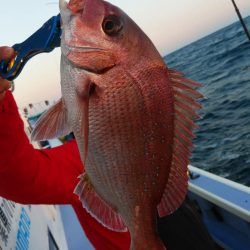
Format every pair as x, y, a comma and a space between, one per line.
132, 118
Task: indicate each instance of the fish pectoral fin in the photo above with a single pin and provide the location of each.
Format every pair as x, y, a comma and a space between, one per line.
52, 124
185, 110
97, 207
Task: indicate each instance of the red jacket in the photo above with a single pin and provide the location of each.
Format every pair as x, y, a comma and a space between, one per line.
47, 176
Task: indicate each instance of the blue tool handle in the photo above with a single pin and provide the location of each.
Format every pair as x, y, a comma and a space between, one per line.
45, 39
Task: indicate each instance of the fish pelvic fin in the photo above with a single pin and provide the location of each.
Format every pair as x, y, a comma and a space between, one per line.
52, 124
185, 112
97, 207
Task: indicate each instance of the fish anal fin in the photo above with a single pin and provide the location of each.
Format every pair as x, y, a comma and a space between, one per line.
97, 207
185, 110
52, 124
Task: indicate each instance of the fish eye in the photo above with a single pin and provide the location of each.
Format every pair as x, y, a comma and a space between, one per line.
112, 25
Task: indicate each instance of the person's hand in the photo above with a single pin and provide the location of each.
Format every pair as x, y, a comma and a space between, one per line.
6, 53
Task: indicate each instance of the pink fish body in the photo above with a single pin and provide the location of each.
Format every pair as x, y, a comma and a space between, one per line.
132, 118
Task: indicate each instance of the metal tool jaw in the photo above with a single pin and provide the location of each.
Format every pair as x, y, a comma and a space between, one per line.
45, 39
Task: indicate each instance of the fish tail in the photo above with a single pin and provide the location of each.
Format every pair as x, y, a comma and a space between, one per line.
152, 244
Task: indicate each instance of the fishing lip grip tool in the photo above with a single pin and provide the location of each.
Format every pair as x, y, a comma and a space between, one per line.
45, 39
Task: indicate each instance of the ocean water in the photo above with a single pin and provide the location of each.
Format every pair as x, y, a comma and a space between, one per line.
221, 62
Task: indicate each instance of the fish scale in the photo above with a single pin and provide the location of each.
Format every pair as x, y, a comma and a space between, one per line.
148, 165
121, 128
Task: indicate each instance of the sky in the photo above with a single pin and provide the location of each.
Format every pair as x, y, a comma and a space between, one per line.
170, 24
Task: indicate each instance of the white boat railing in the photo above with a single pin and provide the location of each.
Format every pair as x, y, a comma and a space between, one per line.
218, 198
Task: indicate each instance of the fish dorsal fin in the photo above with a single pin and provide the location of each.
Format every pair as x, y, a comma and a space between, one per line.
185, 107
52, 124
97, 207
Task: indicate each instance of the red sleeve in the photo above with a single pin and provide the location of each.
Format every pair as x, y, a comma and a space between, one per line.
33, 176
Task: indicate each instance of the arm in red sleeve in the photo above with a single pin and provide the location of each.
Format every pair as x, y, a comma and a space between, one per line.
33, 176
48, 176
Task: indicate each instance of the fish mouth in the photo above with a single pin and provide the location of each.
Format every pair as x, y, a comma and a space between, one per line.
90, 59
73, 48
